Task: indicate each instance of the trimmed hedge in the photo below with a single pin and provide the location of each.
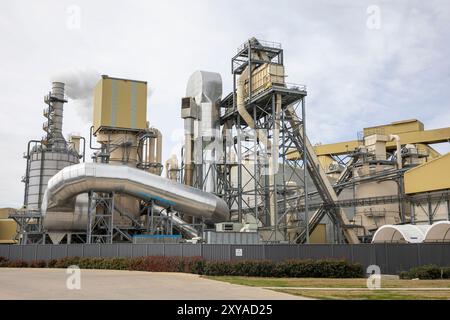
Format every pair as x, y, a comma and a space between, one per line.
256, 268
166, 264
289, 268
426, 272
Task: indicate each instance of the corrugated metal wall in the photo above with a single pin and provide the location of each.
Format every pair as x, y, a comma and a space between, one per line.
392, 258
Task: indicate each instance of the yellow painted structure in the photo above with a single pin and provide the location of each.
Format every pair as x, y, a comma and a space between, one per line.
335, 148
325, 162
423, 148
395, 127
264, 77
426, 136
409, 131
319, 234
5, 212
8, 231
430, 176
8, 227
415, 137
120, 104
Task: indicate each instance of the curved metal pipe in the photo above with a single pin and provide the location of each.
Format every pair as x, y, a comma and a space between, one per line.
91, 133
240, 103
247, 74
71, 181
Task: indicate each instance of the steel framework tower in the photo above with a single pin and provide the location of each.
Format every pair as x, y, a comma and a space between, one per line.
260, 127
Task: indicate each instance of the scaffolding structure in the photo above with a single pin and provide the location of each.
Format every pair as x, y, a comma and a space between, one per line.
29, 227
255, 173
248, 183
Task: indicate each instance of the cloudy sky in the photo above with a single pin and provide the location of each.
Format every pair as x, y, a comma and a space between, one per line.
365, 62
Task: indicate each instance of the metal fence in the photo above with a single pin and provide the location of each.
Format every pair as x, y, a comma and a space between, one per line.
391, 258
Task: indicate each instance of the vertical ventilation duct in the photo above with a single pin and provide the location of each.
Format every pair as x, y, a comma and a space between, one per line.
201, 115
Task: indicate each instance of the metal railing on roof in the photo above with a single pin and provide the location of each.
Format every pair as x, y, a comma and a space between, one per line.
262, 43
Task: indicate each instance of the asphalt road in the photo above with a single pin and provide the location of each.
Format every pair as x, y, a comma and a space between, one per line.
16, 283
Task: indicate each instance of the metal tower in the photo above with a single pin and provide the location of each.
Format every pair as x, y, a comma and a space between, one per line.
263, 121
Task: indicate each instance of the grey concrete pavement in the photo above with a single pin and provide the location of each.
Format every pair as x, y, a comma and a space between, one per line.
16, 283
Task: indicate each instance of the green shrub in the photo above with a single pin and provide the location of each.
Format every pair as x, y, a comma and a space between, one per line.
196, 265
66, 262
167, 264
249, 268
404, 275
254, 268
37, 264
90, 263
17, 264
217, 268
117, 264
52, 263
426, 272
153, 264
319, 269
446, 273
3, 262
289, 268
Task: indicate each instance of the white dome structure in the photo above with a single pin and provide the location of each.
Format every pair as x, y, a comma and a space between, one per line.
438, 232
406, 233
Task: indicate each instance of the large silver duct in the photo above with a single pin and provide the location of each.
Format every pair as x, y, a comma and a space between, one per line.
81, 178
203, 124
206, 89
74, 220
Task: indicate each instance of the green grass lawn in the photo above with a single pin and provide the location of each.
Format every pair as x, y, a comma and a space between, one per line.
329, 283
370, 294
364, 293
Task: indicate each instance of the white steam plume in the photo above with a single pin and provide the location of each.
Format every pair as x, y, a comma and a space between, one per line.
80, 83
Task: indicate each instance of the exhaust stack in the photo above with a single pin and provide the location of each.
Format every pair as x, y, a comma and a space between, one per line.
55, 100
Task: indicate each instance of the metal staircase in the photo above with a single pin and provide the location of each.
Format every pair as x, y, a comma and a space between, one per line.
329, 196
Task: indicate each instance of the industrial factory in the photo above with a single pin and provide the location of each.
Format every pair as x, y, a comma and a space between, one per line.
246, 174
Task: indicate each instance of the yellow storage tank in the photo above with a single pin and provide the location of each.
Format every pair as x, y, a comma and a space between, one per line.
120, 104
